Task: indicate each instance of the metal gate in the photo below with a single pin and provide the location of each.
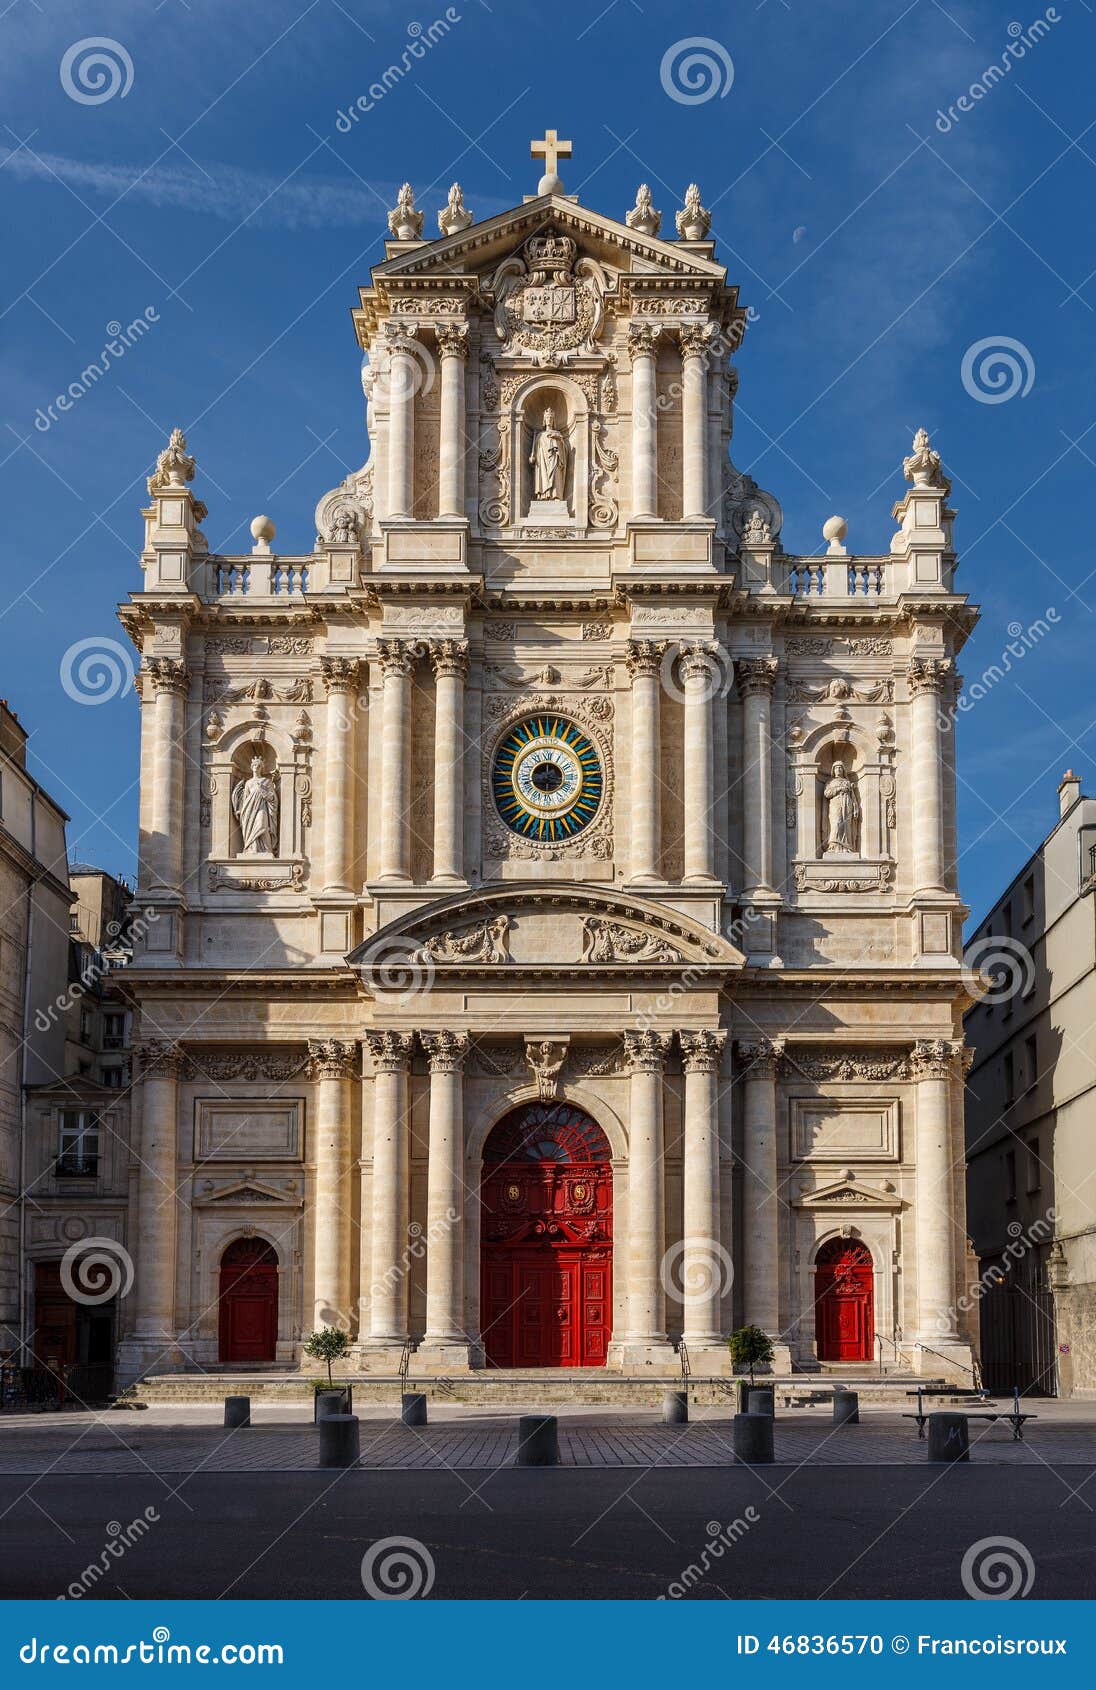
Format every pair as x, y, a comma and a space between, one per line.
1019, 1338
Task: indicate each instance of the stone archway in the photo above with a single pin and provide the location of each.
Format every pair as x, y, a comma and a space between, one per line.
546, 1252
247, 1304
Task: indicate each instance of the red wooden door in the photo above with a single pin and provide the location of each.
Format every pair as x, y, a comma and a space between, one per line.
844, 1302
546, 1278
248, 1305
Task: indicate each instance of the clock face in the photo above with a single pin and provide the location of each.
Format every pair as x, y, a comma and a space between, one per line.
547, 778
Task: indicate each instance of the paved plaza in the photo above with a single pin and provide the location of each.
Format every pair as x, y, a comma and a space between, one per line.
190, 1438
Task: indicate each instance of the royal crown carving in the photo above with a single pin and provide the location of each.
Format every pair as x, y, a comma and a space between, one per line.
548, 301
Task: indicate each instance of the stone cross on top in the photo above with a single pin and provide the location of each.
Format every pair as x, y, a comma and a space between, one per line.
551, 150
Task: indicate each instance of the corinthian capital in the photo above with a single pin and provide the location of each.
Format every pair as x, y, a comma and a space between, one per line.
445, 1051
167, 674
332, 1059
340, 674
760, 1057
934, 1059
929, 674
701, 1053
643, 339
697, 338
645, 1052
397, 657
160, 1059
452, 339
449, 657
391, 1052
756, 675
645, 657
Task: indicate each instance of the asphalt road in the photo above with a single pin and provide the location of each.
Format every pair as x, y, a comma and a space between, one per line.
846, 1533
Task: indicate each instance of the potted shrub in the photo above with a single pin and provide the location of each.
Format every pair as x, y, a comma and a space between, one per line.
750, 1348
328, 1344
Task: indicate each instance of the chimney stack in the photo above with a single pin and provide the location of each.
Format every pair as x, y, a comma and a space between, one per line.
1069, 790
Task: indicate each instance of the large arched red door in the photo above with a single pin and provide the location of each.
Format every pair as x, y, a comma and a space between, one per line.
547, 1239
248, 1301
844, 1301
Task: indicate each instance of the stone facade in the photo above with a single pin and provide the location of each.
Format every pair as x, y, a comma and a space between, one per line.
1029, 1115
548, 774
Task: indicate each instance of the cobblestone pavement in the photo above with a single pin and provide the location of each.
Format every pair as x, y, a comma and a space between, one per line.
188, 1440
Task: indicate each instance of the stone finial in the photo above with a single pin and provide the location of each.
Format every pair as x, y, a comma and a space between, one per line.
174, 466
404, 222
834, 530
262, 532
923, 466
455, 215
643, 217
694, 221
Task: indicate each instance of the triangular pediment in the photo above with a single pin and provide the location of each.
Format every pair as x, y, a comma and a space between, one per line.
483, 245
847, 1194
247, 1191
542, 929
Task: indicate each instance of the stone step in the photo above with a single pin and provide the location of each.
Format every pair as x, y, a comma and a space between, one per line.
546, 1386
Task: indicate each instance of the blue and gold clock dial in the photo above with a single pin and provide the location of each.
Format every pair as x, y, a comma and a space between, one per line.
547, 778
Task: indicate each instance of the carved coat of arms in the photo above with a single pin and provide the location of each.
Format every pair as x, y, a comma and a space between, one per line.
548, 303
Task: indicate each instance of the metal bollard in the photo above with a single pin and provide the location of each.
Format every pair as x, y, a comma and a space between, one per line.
846, 1408
675, 1408
762, 1401
339, 1443
949, 1437
538, 1440
413, 1408
753, 1438
237, 1412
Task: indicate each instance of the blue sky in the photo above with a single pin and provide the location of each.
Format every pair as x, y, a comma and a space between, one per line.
220, 196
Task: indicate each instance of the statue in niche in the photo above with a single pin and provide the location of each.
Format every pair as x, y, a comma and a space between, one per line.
842, 812
549, 460
255, 806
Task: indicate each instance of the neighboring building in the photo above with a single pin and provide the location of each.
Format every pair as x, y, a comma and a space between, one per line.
98, 1022
1031, 1115
548, 878
34, 944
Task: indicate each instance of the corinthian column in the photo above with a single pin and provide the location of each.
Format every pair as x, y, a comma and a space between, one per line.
756, 679
453, 347
705, 1264
403, 384
445, 1203
700, 674
933, 1065
397, 660
170, 682
157, 1200
929, 679
760, 1203
695, 341
449, 659
331, 1064
646, 1055
642, 342
389, 1266
644, 666
340, 677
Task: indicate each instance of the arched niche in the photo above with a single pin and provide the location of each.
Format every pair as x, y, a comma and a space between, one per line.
868, 763
570, 420
230, 762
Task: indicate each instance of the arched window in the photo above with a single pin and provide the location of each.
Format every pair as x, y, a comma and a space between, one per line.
547, 1132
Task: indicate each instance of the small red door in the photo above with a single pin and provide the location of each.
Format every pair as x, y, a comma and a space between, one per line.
844, 1313
248, 1304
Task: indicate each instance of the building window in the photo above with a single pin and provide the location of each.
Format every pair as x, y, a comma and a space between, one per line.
1034, 1166
114, 1030
1027, 899
1031, 1055
78, 1152
87, 1026
1010, 1078
1010, 1176
115, 1078
74, 922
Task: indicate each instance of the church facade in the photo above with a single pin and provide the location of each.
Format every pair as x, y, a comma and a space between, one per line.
553, 949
